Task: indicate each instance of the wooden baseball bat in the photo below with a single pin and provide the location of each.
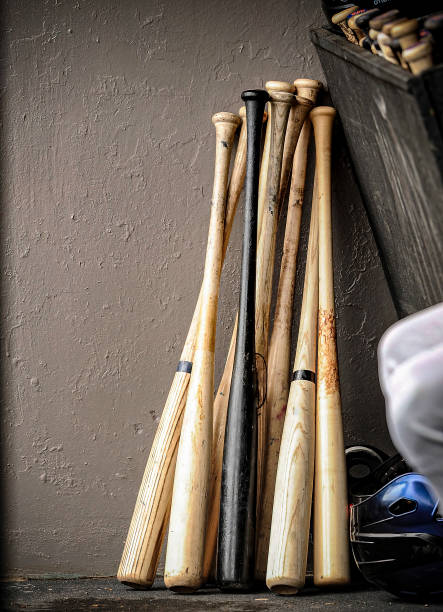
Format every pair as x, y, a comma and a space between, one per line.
288, 545
280, 347
236, 534
281, 101
143, 544
218, 434
339, 19
187, 524
331, 539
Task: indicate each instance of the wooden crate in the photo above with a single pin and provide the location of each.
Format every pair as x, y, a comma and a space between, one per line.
393, 124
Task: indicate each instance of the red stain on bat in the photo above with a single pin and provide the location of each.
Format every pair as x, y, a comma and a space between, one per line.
281, 414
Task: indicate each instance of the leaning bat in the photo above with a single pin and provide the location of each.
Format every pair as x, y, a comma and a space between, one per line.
187, 524
288, 545
236, 534
143, 544
281, 101
279, 352
331, 538
218, 437
280, 347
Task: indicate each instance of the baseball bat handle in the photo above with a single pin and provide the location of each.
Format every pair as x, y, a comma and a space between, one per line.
236, 537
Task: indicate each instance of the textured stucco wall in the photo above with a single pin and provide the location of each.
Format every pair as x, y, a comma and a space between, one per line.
107, 174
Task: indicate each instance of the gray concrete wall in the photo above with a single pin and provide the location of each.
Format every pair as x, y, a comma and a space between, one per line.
107, 164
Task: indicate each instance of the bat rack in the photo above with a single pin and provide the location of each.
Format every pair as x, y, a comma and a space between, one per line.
393, 125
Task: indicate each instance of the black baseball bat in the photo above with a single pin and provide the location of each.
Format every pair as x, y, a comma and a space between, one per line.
236, 535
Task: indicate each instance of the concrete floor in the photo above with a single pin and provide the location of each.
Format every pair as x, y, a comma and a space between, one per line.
108, 594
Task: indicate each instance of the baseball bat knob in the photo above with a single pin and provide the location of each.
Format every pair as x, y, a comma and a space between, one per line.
322, 111
257, 95
308, 88
419, 56
226, 118
404, 28
272, 86
281, 96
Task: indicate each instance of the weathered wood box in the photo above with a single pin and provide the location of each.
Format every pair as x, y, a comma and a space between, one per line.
393, 124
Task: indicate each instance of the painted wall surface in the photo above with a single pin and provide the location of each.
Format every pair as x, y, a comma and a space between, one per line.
107, 161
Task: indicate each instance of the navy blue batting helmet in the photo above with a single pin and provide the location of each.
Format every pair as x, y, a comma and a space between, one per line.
397, 538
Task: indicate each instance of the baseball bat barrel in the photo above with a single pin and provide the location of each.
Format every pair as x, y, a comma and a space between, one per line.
143, 544
280, 347
280, 103
288, 545
331, 541
219, 425
218, 440
187, 524
236, 534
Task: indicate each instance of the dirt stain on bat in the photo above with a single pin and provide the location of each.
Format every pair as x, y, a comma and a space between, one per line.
327, 354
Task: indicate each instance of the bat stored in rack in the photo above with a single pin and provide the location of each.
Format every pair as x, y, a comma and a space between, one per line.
404, 33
